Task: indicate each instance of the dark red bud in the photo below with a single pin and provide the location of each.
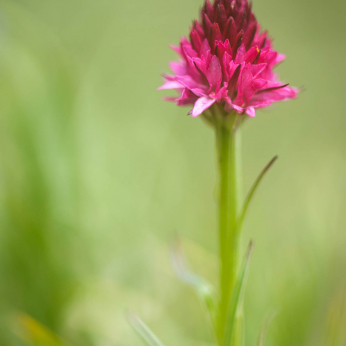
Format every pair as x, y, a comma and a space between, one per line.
219, 50
247, 16
221, 17
227, 5
232, 8
249, 12
215, 34
207, 26
252, 18
228, 47
240, 21
209, 10
250, 35
231, 31
198, 27
217, 3
238, 42
196, 41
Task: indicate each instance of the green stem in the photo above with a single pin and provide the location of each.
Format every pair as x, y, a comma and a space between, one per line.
228, 157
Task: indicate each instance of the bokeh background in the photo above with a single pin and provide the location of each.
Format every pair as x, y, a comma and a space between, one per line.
98, 174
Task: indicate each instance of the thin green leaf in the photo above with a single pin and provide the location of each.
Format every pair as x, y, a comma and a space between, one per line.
238, 337
143, 331
252, 191
264, 329
236, 299
203, 289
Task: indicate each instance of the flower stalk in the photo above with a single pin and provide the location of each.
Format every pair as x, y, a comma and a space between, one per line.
228, 150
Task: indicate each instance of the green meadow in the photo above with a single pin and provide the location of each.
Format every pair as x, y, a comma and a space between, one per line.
98, 175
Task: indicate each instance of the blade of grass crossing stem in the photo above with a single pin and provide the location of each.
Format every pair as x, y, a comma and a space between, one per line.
203, 289
143, 331
237, 296
264, 329
252, 191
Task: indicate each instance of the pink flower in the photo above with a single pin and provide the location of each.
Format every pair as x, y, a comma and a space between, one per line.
227, 61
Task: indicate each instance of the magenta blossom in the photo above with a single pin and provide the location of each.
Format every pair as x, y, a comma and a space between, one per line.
228, 61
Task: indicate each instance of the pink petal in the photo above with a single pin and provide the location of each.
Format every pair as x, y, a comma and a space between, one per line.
198, 92
259, 104
201, 105
205, 48
223, 92
280, 58
246, 85
241, 53
251, 54
201, 65
263, 56
232, 69
275, 95
214, 73
189, 51
170, 85
225, 65
272, 55
257, 69
178, 68
186, 98
230, 106
193, 71
188, 82
240, 110
170, 99
176, 49
259, 83
250, 111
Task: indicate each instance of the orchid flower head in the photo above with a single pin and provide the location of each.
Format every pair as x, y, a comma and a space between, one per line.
227, 61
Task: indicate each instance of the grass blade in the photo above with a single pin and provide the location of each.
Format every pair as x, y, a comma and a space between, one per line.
252, 191
236, 299
203, 289
143, 331
264, 329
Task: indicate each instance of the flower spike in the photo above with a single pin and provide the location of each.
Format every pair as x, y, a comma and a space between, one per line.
227, 61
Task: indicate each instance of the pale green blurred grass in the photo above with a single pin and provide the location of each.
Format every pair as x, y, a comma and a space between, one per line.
97, 174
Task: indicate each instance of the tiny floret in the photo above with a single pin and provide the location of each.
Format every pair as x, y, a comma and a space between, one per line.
227, 60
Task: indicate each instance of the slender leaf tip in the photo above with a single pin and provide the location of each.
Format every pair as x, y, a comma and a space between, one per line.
252, 191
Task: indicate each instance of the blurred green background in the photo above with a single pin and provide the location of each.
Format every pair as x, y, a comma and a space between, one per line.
97, 174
